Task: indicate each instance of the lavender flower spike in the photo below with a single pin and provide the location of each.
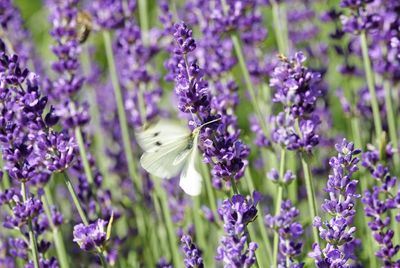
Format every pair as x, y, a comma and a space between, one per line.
289, 233
192, 253
337, 231
236, 214
91, 236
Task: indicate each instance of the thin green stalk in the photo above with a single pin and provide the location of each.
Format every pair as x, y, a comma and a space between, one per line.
121, 112
98, 138
391, 119
246, 75
260, 222
371, 85
5, 179
143, 19
57, 236
169, 224
310, 195
210, 190
75, 199
278, 203
199, 224
280, 27
32, 237
82, 152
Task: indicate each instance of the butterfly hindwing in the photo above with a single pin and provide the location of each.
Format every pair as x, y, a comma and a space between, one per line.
191, 180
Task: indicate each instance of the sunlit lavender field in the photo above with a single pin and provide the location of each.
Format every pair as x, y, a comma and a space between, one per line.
199, 133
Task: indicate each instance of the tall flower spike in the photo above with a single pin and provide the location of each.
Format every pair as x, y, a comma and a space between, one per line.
192, 253
338, 231
236, 213
379, 203
289, 231
221, 145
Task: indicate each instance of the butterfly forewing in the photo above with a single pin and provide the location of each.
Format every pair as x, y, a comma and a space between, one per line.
160, 162
161, 133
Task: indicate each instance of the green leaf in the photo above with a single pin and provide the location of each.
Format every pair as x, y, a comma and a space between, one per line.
109, 226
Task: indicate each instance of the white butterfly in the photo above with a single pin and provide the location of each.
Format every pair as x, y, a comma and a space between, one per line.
170, 149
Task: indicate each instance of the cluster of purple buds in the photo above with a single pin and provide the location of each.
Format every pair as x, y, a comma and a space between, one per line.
110, 14
379, 203
338, 232
222, 148
193, 256
361, 17
133, 57
64, 18
236, 214
92, 236
289, 232
288, 177
297, 90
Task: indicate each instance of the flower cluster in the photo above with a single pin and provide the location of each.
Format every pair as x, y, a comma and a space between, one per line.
192, 253
338, 232
361, 17
69, 80
297, 89
92, 236
236, 214
222, 148
289, 233
379, 203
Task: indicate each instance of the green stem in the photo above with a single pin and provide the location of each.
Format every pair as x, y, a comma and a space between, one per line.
199, 224
144, 21
371, 85
260, 222
280, 27
75, 199
210, 190
391, 118
98, 139
32, 237
278, 203
57, 236
5, 179
121, 112
310, 195
169, 224
246, 75
82, 152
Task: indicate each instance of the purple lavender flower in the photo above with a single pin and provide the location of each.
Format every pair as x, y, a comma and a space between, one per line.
289, 233
297, 89
379, 203
236, 214
67, 50
222, 148
338, 232
192, 253
91, 236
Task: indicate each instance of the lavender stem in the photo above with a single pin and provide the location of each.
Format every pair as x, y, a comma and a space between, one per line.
310, 195
57, 236
371, 84
169, 224
121, 112
82, 152
210, 191
260, 222
278, 204
32, 237
75, 199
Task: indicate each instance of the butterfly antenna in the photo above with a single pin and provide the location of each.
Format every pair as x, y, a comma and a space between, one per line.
210, 122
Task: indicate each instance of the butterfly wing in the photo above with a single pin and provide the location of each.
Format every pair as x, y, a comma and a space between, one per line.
161, 161
191, 180
161, 133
